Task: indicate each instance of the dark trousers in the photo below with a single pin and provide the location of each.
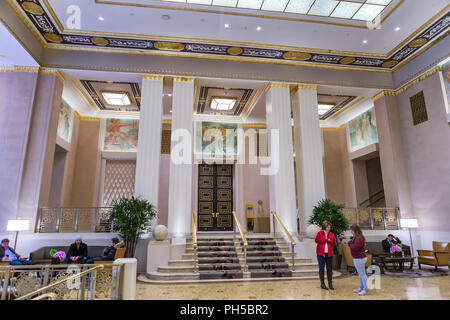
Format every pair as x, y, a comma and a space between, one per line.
325, 260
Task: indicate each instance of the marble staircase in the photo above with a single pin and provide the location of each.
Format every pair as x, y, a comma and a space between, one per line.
221, 258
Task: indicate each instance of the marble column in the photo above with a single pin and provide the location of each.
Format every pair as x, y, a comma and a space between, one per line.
393, 166
149, 144
308, 151
17, 93
281, 181
180, 178
38, 167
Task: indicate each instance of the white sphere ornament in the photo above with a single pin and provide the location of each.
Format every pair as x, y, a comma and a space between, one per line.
311, 231
160, 232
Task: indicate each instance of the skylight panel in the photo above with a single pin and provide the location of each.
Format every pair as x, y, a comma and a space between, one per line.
250, 4
222, 104
368, 12
323, 7
323, 108
299, 6
225, 3
274, 5
380, 2
200, 1
346, 9
117, 98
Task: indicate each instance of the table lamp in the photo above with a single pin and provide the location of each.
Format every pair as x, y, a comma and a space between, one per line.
16, 226
409, 223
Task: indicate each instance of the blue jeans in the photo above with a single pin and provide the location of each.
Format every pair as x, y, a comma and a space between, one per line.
19, 263
360, 265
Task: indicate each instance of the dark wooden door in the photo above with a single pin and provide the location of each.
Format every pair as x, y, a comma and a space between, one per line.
215, 197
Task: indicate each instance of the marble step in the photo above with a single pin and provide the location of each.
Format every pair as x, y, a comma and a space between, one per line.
166, 278
286, 255
235, 238
190, 268
190, 262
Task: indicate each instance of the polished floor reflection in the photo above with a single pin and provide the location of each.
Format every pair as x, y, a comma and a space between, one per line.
431, 288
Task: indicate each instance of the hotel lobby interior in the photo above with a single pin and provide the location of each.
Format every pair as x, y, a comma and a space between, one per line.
211, 140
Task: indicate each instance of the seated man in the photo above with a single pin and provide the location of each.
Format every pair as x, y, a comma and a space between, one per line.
389, 242
78, 252
8, 254
108, 253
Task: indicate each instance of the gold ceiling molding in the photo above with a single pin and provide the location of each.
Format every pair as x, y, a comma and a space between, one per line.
170, 46
259, 16
183, 79
152, 77
32, 8
200, 40
409, 85
307, 87
357, 100
82, 118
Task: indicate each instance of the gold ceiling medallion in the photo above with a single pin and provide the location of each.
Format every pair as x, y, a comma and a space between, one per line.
32, 8
53, 37
299, 56
389, 63
417, 43
347, 60
170, 46
235, 51
101, 42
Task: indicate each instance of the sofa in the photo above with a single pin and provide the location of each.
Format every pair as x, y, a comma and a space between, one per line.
349, 259
42, 255
438, 257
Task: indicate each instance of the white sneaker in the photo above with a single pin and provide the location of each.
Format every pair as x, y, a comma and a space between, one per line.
363, 293
357, 290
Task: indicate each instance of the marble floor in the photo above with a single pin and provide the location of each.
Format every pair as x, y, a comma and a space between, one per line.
432, 288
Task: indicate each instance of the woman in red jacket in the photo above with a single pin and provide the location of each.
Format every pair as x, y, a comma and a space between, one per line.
358, 249
325, 240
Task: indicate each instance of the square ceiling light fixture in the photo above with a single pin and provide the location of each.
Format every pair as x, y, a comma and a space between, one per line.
323, 108
224, 104
117, 98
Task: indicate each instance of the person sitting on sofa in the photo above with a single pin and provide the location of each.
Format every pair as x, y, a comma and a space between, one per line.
8, 254
389, 242
108, 253
78, 252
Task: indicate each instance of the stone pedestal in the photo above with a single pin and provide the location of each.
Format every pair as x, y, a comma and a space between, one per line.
158, 254
128, 278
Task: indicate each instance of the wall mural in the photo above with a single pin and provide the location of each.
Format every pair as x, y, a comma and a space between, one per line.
65, 121
215, 138
363, 130
446, 73
121, 135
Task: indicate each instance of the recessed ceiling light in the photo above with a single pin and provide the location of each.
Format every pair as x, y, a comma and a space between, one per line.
398, 28
258, 28
365, 41
117, 98
101, 18
170, 111
222, 103
226, 25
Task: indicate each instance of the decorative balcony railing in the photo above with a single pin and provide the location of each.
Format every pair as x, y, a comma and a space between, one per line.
94, 219
373, 218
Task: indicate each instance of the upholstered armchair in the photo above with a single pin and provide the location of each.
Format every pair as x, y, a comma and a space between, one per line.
349, 259
438, 257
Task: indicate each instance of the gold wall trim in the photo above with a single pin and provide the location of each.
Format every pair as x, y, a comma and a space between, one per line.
19, 69
334, 128
259, 16
152, 77
254, 125
409, 85
80, 117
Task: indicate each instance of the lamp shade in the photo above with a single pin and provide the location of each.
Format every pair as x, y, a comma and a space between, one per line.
18, 225
409, 223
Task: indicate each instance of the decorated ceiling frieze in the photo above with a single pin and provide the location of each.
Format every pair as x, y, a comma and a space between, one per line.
52, 36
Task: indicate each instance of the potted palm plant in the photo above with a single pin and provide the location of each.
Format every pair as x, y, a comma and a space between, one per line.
131, 218
328, 210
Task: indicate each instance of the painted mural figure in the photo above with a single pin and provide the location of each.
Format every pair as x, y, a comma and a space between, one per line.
65, 121
363, 130
115, 132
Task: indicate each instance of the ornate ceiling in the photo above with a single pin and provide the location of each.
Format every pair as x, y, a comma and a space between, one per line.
52, 35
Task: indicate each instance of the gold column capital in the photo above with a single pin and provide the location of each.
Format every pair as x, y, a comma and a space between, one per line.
152, 77
279, 85
307, 87
183, 79
382, 94
55, 72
